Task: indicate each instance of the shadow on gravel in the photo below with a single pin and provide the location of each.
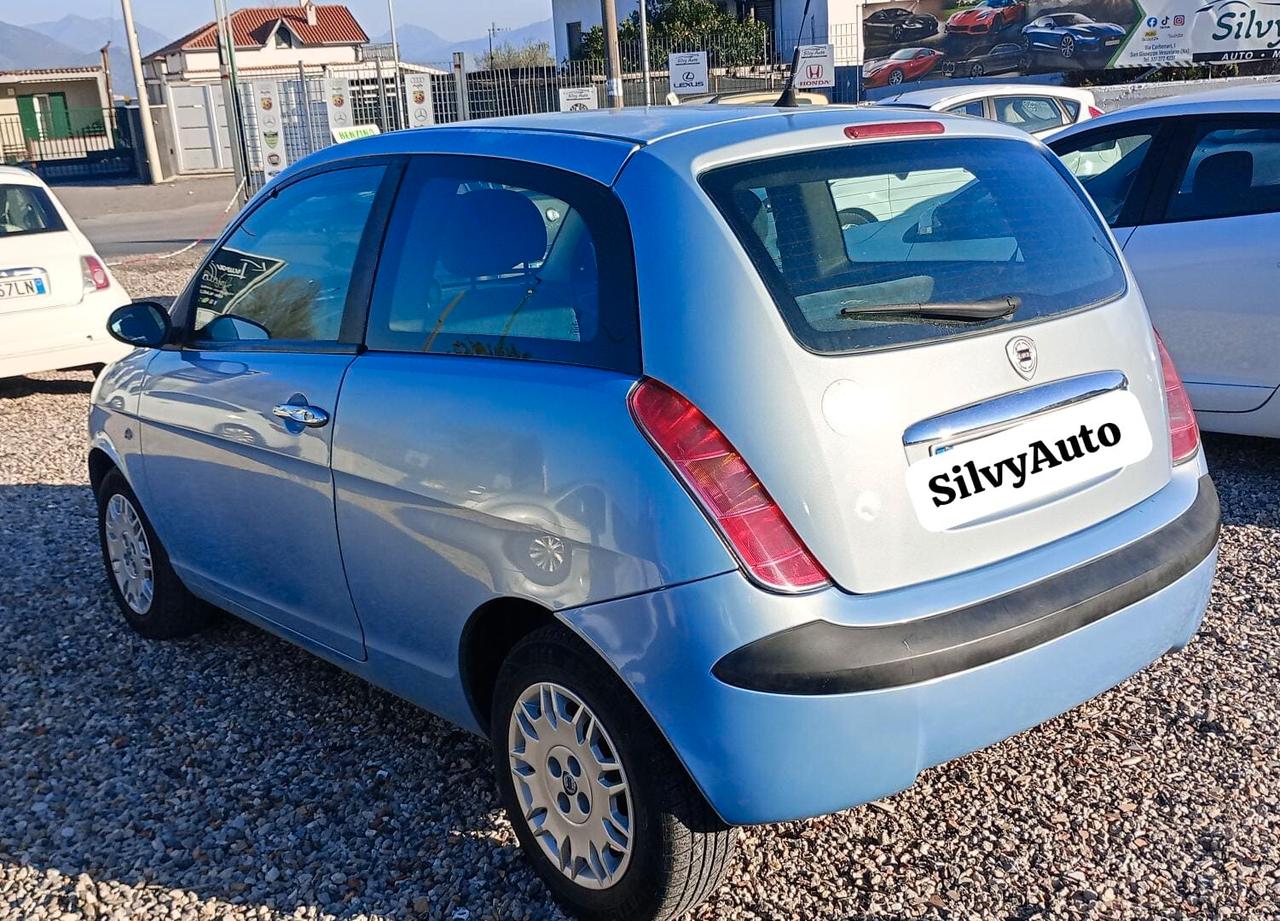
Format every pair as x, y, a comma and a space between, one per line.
231, 766
13, 388
1246, 472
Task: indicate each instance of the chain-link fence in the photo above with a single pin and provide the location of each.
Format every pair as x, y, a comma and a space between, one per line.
374, 91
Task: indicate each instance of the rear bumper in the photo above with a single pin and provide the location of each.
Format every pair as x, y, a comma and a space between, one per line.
768, 755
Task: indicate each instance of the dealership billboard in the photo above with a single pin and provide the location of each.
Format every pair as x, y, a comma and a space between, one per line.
907, 42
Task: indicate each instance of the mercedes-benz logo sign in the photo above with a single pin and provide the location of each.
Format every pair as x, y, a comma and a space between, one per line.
1023, 356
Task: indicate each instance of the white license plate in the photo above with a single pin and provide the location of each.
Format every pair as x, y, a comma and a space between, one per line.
12, 288
1113, 42
1045, 457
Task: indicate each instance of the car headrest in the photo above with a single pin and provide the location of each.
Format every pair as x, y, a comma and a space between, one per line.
491, 231
1229, 173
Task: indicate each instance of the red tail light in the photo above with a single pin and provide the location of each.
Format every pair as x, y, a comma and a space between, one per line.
1094, 111
892, 130
94, 274
1184, 433
729, 493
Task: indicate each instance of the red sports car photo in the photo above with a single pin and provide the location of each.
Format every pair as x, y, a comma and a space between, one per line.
987, 16
901, 66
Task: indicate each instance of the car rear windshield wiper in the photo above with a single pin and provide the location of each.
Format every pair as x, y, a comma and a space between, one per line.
990, 309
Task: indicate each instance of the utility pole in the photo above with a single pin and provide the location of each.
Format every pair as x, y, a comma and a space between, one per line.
613, 59
236, 122
644, 51
105, 51
402, 115
144, 105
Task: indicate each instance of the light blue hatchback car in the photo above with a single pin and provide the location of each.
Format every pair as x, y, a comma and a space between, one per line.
724, 465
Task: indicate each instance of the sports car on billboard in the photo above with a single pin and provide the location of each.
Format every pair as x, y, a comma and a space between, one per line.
897, 25
998, 59
905, 64
1072, 35
987, 17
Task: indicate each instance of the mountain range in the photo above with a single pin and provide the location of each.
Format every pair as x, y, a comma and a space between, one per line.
419, 45
73, 41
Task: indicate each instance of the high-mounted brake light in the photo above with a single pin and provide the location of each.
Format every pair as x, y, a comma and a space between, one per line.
94, 274
729, 492
892, 130
1184, 433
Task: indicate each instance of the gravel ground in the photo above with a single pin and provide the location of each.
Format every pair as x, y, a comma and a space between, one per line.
235, 776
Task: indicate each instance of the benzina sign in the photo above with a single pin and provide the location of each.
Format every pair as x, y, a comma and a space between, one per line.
907, 42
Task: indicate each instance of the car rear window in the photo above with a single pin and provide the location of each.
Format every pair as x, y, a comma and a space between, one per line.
26, 209
899, 242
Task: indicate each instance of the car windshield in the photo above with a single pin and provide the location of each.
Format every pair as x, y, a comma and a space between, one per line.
898, 242
905, 54
1072, 19
26, 209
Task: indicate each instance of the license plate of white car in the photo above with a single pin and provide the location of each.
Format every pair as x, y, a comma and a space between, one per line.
1041, 458
29, 286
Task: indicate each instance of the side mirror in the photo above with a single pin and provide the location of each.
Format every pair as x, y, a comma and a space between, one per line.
144, 324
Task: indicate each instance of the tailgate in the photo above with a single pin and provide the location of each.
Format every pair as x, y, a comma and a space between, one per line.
39, 270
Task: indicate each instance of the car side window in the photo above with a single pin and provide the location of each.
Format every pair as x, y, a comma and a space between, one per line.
499, 259
284, 274
1030, 113
973, 107
1107, 165
1231, 171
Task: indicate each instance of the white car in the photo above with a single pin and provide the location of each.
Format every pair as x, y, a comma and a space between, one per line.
55, 292
1041, 110
1191, 188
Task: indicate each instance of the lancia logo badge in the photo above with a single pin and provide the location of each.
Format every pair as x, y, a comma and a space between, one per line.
1022, 355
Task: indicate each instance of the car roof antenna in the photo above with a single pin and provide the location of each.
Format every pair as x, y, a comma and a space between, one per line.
788, 98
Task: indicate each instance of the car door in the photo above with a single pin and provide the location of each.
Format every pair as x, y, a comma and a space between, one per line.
1205, 257
237, 420
502, 343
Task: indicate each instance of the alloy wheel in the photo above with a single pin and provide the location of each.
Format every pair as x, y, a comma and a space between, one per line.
571, 785
130, 554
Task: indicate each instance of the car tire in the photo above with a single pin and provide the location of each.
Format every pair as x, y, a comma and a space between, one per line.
572, 746
1068, 47
896, 77
149, 593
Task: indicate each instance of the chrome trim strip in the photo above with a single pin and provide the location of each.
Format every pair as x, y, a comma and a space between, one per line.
989, 416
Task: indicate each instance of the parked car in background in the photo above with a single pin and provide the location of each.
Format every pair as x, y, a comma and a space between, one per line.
706, 509
987, 17
1191, 188
1072, 35
748, 98
55, 292
901, 66
898, 24
1040, 110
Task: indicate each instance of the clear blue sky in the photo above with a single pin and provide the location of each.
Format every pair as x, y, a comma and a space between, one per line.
448, 18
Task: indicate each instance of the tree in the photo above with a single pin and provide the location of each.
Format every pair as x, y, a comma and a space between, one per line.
506, 55
683, 25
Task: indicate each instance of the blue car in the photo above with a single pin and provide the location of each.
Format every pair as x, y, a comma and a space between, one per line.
1072, 35
598, 434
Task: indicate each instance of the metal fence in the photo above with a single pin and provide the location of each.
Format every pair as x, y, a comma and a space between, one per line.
460, 89
69, 143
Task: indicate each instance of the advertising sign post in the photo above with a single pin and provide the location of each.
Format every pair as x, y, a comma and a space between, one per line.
270, 138
688, 73
417, 100
578, 98
337, 103
817, 67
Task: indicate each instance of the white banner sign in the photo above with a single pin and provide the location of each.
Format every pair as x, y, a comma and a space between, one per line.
337, 103
578, 99
1183, 32
417, 100
688, 73
817, 67
270, 137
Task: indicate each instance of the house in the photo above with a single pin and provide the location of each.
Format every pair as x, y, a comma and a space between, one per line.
41, 107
